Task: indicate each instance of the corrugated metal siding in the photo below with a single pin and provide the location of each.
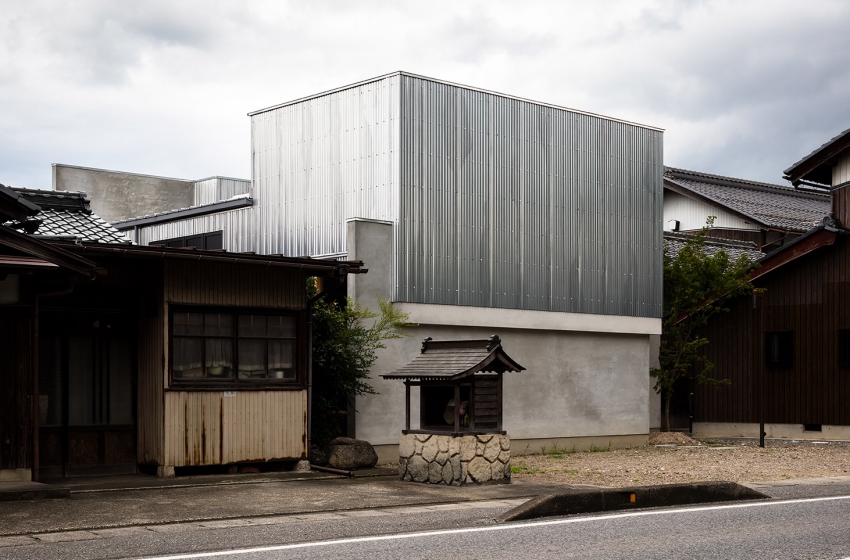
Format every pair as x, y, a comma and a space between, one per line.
693, 213
507, 203
239, 229
841, 171
324, 160
209, 428
216, 189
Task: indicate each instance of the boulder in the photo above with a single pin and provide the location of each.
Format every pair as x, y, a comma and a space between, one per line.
318, 458
349, 454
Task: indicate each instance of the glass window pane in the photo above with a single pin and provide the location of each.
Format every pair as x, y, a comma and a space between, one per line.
219, 358
281, 359
252, 325
218, 324
252, 359
188, 323
187, 356
281, 326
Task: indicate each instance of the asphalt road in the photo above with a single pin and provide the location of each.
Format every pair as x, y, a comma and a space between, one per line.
802, 521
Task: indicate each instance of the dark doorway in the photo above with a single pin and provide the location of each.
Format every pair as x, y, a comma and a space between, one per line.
87, 394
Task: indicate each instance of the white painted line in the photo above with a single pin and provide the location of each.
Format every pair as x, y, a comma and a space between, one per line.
492, 528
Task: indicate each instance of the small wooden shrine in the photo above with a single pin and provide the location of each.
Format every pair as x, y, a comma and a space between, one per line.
460, 386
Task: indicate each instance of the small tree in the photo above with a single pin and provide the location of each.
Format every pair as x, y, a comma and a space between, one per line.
345, 347
696, 287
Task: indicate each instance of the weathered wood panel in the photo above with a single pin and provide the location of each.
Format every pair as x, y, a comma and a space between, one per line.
153, 322
841, 206
218, 427
811, 298
202, 283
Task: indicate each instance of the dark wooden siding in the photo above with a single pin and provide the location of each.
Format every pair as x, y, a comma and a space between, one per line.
811, 298
15, 388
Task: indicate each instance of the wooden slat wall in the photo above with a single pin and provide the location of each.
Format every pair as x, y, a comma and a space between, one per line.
221, 427
811, 297
15, 388
226, 284
153, 324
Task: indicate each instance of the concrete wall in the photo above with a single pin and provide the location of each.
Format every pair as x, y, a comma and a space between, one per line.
578, 384
654, 398
116, 195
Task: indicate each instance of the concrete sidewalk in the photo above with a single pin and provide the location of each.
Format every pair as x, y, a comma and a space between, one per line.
139, 500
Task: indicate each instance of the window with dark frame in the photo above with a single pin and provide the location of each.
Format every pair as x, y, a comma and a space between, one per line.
779, 349
234, 348
843, 347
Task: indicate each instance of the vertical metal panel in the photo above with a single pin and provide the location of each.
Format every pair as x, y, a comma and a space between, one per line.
239, 229
323, 160
509, 203
215, 189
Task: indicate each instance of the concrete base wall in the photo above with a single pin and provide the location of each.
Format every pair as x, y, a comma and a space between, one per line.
773, 431
15, 475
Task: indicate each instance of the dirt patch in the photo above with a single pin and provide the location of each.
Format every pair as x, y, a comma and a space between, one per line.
668, 438
713, 460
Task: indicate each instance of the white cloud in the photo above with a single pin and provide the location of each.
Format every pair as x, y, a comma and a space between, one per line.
742, 88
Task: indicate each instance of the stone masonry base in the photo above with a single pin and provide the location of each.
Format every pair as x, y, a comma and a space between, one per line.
454, 460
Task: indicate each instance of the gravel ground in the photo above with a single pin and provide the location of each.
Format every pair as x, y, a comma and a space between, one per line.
686, 460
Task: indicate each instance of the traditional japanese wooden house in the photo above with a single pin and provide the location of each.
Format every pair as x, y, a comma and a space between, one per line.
787, 353
117, 357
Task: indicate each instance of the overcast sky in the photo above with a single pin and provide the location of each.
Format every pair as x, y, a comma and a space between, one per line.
163, 88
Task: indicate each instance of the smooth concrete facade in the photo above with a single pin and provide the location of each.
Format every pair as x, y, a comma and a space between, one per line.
116, 195
773, 431
578, 383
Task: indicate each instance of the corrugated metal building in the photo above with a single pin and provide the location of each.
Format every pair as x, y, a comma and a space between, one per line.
474, 211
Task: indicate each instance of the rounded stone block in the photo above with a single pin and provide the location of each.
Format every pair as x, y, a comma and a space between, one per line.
484, 438
430, 450
435, 473
417, 468
492, 450
448, 474
423, 437
505, 442
406, 446
504, 456
479, 470
497, 471
443, 443
442, 458
467, 448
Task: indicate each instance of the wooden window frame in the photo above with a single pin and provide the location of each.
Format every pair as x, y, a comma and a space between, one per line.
235, 384
789, 364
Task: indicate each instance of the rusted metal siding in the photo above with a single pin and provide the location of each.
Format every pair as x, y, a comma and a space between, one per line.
221, 427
